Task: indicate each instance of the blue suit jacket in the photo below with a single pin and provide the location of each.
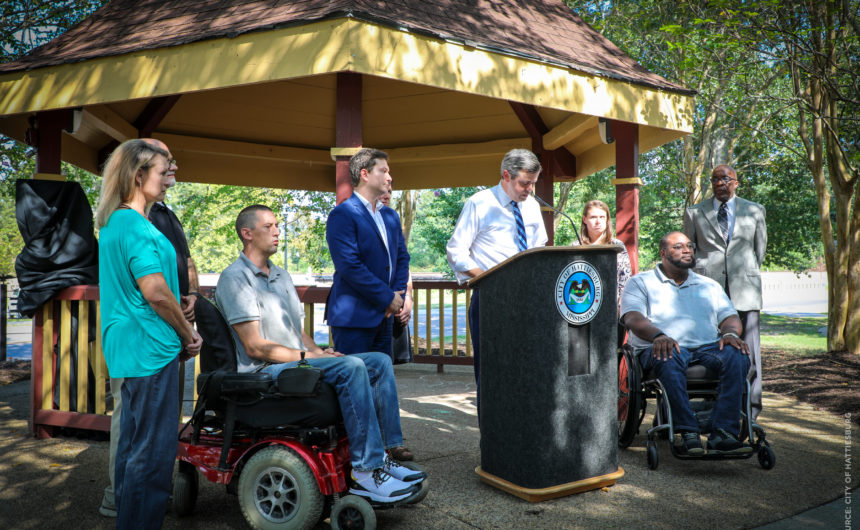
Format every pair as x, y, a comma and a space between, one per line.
362, 290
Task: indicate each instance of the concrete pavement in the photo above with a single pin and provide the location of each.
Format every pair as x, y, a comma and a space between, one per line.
57, 483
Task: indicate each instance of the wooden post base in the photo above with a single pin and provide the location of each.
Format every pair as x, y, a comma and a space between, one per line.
552, 492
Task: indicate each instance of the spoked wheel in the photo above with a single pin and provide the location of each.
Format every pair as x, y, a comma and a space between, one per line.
353, 513
629, 397
185, 488
278, 490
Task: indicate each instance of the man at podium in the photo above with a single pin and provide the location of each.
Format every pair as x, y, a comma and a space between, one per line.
495, 224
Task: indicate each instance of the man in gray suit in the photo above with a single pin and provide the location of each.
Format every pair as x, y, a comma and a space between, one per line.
731, 237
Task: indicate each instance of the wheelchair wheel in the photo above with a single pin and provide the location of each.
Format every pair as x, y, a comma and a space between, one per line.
766, 457
629, 397
278, 490
185, 487
354, 513
653, 456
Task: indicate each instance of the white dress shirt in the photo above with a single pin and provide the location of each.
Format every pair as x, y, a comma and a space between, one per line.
731, 208
380, 225
486, 231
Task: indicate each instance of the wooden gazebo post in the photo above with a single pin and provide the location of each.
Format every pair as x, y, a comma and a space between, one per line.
627, 184
46, 136
348, 124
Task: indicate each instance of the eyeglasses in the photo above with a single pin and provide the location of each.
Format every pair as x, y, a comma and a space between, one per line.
681, 246
172, 162
725, 179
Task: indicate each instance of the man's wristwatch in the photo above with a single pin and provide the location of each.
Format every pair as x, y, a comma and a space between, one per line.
730, 334
658, 334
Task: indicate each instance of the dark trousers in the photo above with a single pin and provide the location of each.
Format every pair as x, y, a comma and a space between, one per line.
363, 340
475, 328
147, 448
751, 335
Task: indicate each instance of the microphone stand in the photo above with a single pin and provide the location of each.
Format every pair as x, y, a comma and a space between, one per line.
556, 210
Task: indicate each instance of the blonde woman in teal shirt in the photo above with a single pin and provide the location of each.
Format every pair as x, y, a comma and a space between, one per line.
143, 330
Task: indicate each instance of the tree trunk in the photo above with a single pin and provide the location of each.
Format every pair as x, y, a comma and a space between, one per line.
406, 210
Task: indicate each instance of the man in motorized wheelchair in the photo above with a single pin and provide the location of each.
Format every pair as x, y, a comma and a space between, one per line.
262, 307
676, 318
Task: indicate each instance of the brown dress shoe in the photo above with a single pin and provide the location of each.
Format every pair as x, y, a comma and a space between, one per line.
401, 453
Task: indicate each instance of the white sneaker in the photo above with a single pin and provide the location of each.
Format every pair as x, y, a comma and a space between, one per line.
401, 472
379, 486
107, 508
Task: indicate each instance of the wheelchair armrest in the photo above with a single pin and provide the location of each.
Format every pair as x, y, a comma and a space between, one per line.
229, 383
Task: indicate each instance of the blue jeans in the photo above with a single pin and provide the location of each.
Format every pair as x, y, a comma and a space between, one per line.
360, 340
368, 402
732, 367
146, 448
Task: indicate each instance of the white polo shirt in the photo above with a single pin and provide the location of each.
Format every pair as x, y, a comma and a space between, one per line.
690, 313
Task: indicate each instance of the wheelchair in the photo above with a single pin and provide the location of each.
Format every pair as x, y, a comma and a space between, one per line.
636, 387
286, 458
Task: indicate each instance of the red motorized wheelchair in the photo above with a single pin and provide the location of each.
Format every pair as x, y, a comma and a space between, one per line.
286, 457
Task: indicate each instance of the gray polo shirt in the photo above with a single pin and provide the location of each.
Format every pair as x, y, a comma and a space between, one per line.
244, 293
689, 313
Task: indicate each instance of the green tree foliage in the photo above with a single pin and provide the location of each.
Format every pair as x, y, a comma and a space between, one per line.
25, 24
743, 113
208, 215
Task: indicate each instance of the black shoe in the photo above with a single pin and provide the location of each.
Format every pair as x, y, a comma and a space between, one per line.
722, 441
691, 443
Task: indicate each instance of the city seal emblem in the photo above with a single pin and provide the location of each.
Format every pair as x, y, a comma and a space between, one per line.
578, 293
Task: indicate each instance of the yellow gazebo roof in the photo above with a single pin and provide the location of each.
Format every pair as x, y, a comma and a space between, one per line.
245, 92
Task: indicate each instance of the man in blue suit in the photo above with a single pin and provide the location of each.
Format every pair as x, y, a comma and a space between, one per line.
371, 264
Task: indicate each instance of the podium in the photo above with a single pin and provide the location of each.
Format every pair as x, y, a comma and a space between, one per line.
549, 372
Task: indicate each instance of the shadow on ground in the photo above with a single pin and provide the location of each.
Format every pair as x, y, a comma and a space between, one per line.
58, 482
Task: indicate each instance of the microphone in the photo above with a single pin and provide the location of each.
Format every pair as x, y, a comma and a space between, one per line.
556, 210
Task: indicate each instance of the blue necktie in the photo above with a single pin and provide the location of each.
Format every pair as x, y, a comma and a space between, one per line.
521, 227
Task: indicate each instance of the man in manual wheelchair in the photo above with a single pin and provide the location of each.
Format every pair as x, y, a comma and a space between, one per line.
677, 318
261, 305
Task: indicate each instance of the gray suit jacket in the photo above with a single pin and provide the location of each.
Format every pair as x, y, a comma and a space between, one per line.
741, 260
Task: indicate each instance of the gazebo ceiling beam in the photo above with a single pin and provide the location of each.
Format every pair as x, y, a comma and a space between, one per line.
437, 153
400, 155
563, 161
568, 130
238, 149
154, 113
109, 122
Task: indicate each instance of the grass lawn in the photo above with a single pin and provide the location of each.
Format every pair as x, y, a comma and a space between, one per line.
794, 335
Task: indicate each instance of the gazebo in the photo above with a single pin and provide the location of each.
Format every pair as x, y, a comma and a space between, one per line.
280, 93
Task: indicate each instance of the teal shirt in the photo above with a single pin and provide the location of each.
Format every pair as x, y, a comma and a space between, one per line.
136, 341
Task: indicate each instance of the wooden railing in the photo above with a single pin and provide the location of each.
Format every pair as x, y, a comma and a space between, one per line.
69, 378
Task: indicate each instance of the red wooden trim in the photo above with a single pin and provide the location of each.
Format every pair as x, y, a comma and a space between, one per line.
437, 284
348, 122
50, 125
443, 359
342, 179
78, 292
627, 195
348, 128
313, 295
36, 376
77, 420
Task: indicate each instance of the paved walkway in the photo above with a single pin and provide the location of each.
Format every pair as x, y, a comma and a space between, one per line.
57, 483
